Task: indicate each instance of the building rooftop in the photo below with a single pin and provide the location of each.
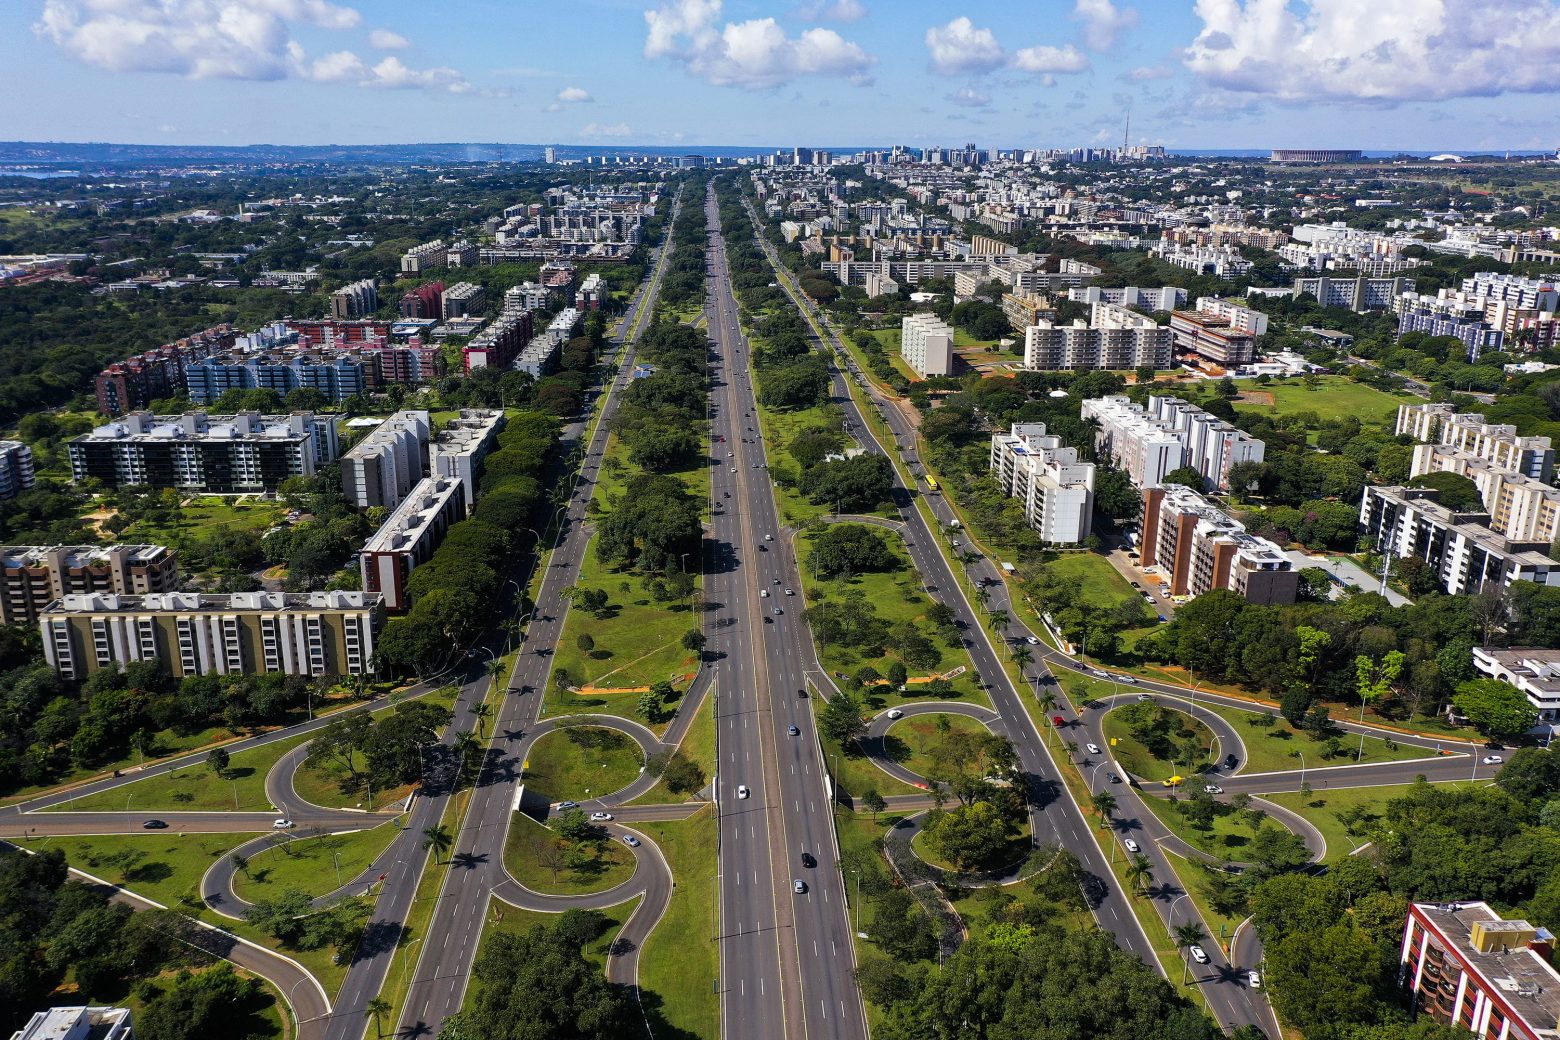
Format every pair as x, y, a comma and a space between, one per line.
186, 602
199, 425
421, 507
1496, 950
33, 555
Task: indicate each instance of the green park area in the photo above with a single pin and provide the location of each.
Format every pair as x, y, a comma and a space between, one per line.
581, 761
503, 919
1328, 396
680, 965
1346, 816
932, 847
911, 742
1273, 745
687, 770
198, 787
546, 860
205, 516
1156, 743
1226, 831
313, 864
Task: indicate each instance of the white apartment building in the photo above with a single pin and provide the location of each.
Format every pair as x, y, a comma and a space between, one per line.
460, 447
17, 470
1113, 338
926, 343
381, 468
409, 537
1219, 261
1497, 444
1460, 548
1057, 491
1534, 671
1165, 298
430, 256
1527, 293
1150, 442
77, 1023
1243, 320
1357, 294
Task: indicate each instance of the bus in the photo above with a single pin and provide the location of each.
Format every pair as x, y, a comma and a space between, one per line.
931, 483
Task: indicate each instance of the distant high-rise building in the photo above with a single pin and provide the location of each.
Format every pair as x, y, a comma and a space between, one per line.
17, 471
926, 343
355, 300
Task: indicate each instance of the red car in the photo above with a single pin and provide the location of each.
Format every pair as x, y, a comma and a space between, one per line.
1057, 720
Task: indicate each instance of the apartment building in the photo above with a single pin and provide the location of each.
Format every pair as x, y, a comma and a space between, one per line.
1149, 442
355, 300
425, 301
464, 300
336, 375
382, 468
409, 537
1201, 548
1466, 966
458, 449
1460, 547
1527, 293
527, 296
1448, 314
1533, 670
1057, 491
1165, 298
926, 344
430, 256
591, 293
77, 1023
500, 343
1113, 338
1220, 261
139, 380
1357, 294
461, 254
245, 633
1211, 340
1497, 444
212, 454
33, 576
17, 470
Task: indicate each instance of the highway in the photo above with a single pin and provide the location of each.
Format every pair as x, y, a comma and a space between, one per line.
444, 962
787, 960
1055, 817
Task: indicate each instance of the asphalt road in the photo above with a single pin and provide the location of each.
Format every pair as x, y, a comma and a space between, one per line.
444, 961
787, 960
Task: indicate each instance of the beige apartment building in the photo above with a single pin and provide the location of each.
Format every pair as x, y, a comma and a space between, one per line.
33, 576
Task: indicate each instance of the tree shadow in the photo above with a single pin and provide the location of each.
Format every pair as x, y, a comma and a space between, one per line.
148, 872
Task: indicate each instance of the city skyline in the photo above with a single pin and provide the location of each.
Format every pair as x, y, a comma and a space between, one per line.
1214, 74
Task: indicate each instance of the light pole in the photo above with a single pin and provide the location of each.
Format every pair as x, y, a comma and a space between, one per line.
1302, 766
1173, 904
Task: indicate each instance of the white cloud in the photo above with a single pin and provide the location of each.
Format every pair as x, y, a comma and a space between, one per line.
385, 40
832, 11
574, 95
969, 97
1050, 59
754, 54
962, 47
598, 130
1103, 22
225, 39
1145, 73
1387, 51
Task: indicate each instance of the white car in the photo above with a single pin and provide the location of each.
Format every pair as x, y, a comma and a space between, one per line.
767, 537
1094, 749
788, 592
283, 824
1127, 678
742, 791
1130, 845
1031, 640
1199, 954
895, 713
600, 817
1098, 674
1492, 760
763, 593
631, 841
1213, 789
1254, 979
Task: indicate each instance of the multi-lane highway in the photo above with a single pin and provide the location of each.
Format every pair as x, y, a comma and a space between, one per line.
787, 960
444, 961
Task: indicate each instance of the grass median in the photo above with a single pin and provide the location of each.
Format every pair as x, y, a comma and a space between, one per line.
537, 858
313, 864
680, 965
583, 761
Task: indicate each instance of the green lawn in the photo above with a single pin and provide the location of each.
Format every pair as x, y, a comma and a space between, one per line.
699, 745
1333, 398
608, 865
910, 741
681, 961
1142, 763
854, 772
1230, 837
779, 429
637, 642
503, 919
204, 516
195, 787
897, 596
1102, 583
1326, 809
316, 865
563, 765
1272, 748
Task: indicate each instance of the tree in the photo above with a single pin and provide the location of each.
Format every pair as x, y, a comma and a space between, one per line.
873, 802
1105, 804
1497, 708
969, 835
1140, 872
376, 1009
240, 863
693, 640
841, 720
1186, 936
483, 711
217, 760
1532, 776
586, 642
1188, 476
438, 839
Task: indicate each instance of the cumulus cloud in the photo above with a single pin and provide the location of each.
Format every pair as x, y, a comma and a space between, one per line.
969, 97
1103, 21
385, 40
755, 54
1387, 51
963, 47
574, 95
832, 11
226, 39
1145, 73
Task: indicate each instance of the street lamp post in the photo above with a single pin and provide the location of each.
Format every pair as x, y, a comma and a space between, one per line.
1302, 766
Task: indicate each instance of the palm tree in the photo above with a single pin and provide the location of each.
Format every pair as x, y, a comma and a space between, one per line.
998, 620
374, 1009
1140, 872
1048, 701
496, 669
982, 597
1189, 934
1071, 746
1105, 805
483, 711
466, 746
1022, 656
438, 839
240, 863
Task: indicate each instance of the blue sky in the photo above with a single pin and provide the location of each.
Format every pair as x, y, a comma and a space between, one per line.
1197, 73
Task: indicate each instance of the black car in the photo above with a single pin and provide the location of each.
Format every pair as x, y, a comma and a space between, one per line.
808, 860
154, 825
1230, 761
